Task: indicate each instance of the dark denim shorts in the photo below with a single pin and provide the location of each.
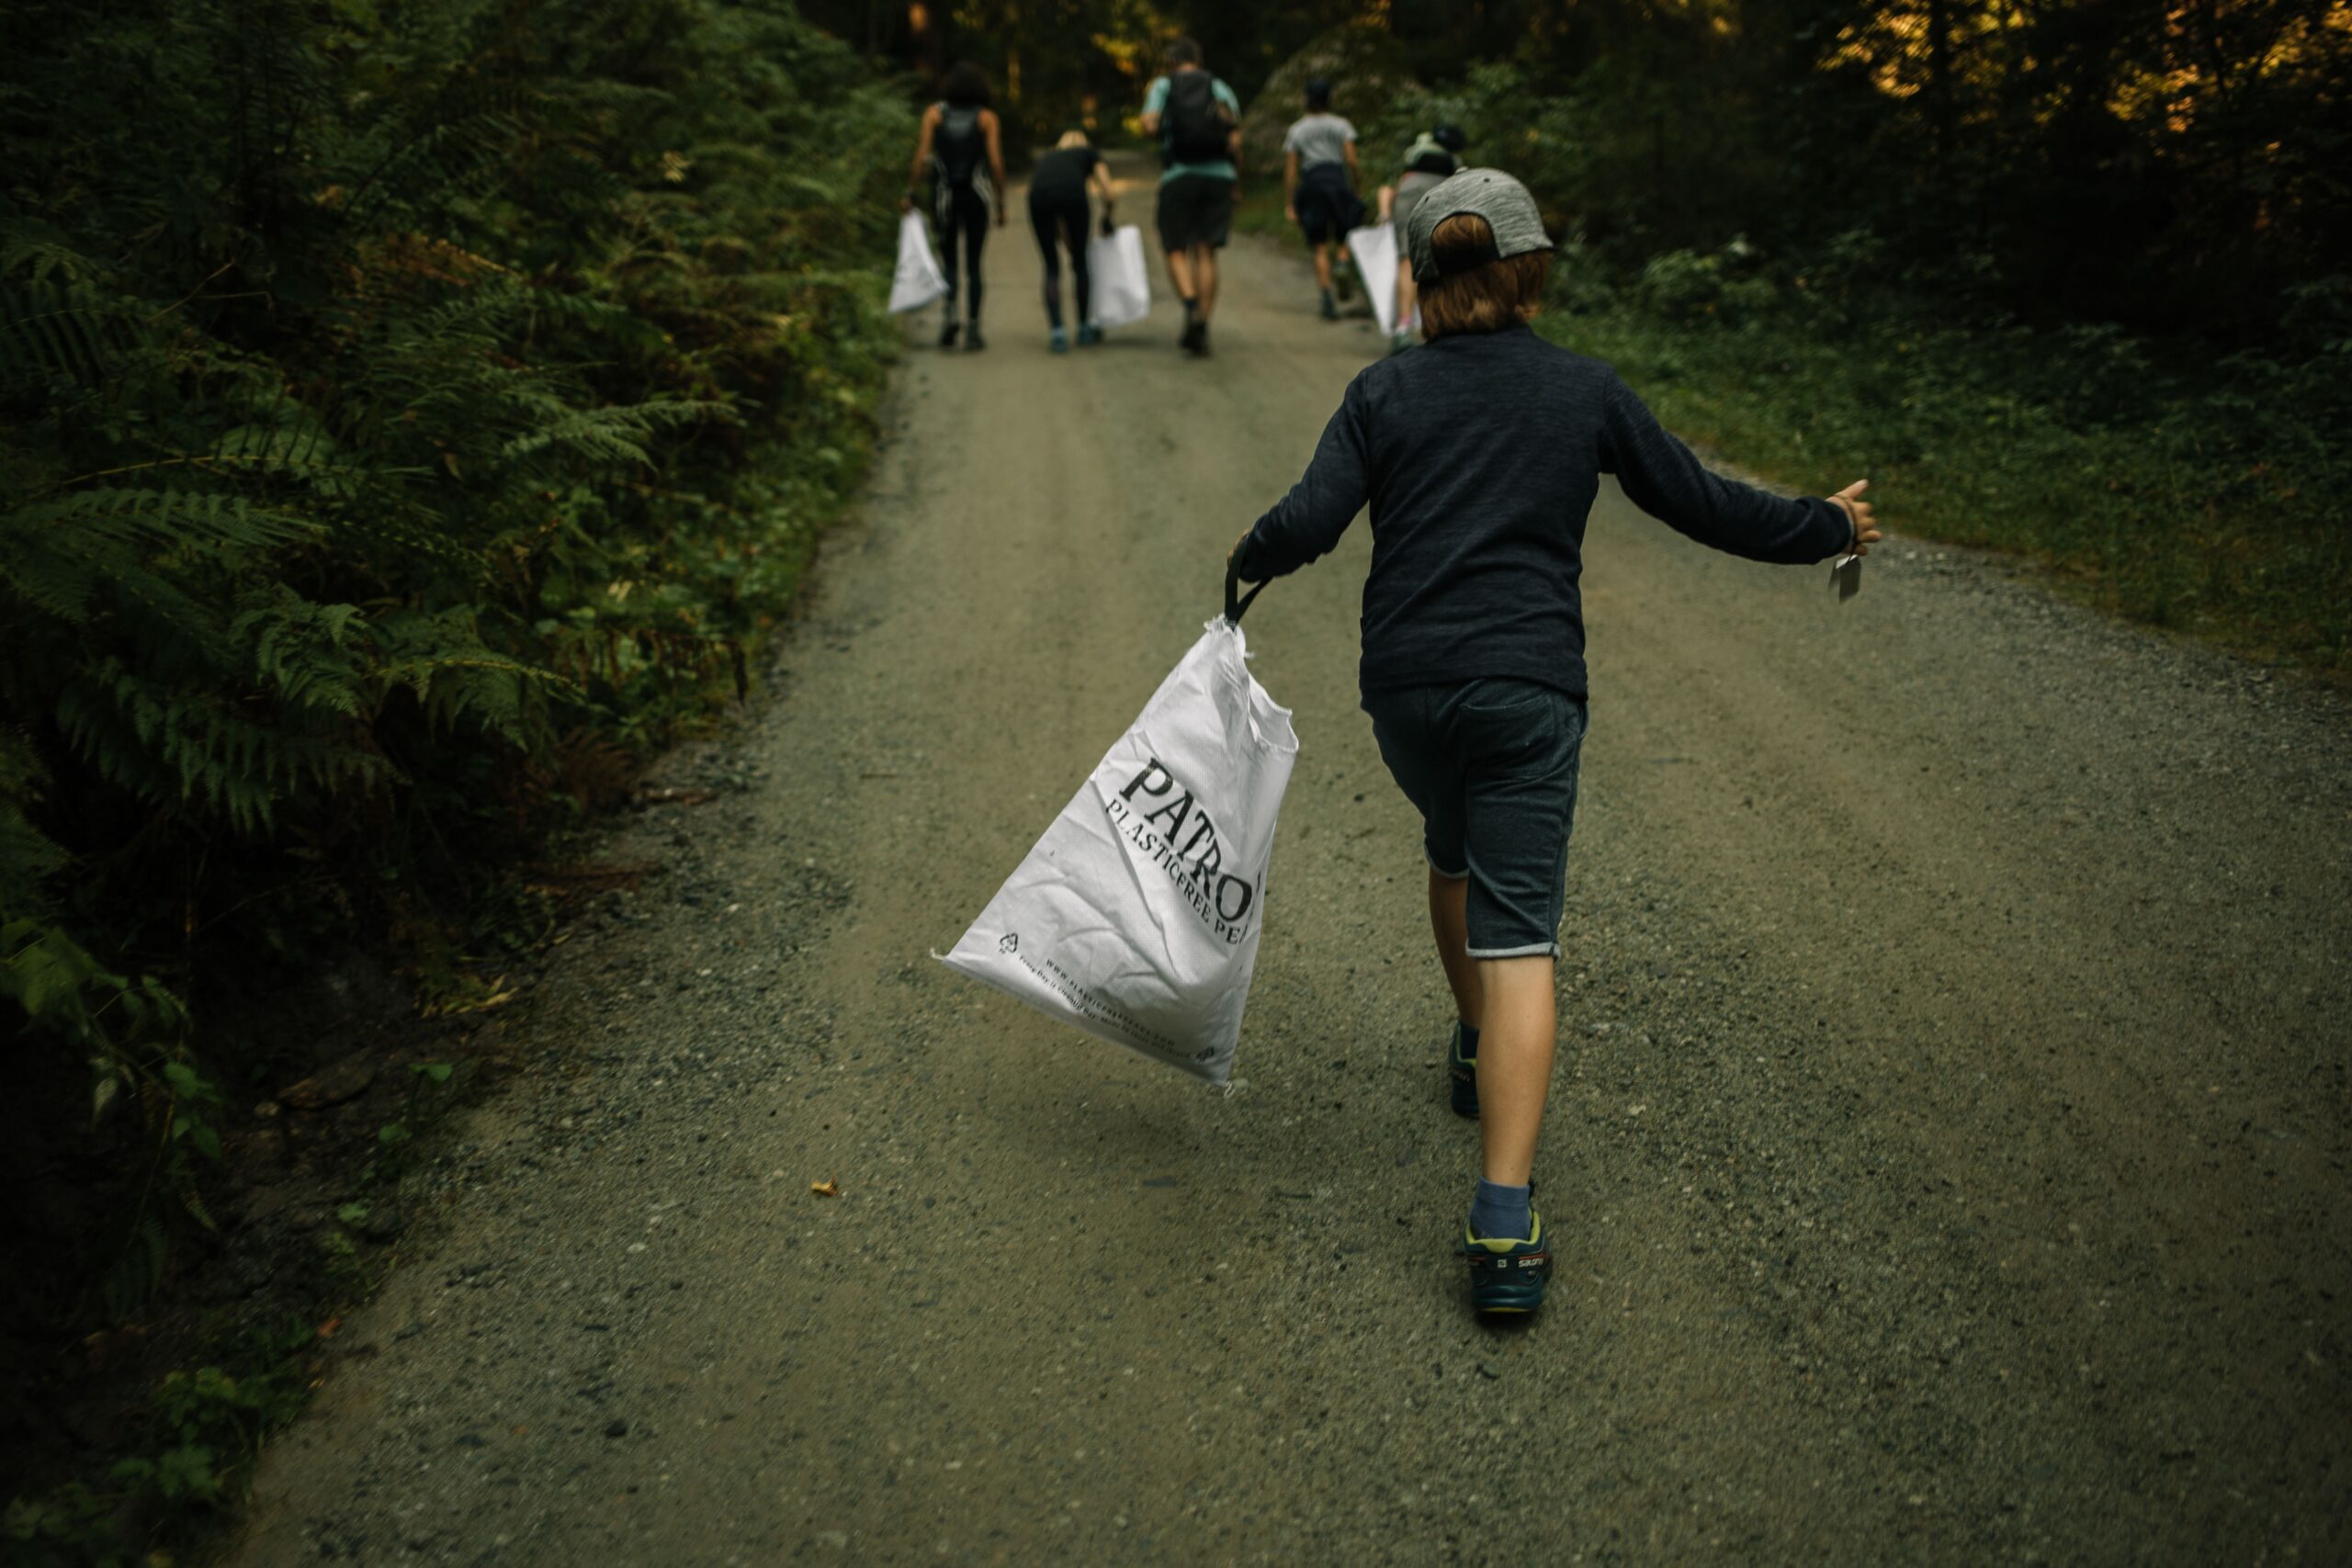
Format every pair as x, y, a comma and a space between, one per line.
1492, 766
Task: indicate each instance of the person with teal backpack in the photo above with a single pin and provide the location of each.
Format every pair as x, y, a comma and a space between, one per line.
1198, 120
960, 149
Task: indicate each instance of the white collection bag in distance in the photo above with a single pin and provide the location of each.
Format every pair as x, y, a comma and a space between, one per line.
918, 281
1136, 917
1120, 281
1375, 249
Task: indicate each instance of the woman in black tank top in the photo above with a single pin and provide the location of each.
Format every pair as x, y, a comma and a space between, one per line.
961, 151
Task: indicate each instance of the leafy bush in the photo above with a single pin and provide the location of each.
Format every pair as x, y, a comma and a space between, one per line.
408, 416
2199, 496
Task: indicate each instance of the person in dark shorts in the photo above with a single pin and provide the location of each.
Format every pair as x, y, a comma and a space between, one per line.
1198, 121
1479, 455
960, 149
1319, 184
1058, 213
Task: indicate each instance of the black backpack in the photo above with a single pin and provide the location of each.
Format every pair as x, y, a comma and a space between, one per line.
1193, 126
958, 146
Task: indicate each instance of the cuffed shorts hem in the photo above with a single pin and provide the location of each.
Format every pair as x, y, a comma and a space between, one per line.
1491, 765
1541, 949
1462, 875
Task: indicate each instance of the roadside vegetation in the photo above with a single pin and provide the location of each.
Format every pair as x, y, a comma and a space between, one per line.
2156, 411
2067, 281
410, 417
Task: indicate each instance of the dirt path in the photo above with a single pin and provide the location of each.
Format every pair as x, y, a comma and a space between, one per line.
1950, 1145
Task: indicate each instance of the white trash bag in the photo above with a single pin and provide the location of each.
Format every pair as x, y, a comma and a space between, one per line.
1121, 282
918, 281
1375, 249
1136, 917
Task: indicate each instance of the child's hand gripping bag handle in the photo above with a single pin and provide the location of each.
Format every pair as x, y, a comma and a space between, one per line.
1237, 601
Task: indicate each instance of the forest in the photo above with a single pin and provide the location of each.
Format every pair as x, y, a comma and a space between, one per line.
414, 416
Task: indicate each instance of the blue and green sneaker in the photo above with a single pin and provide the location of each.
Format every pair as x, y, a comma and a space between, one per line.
1507, 1276
1461, 1073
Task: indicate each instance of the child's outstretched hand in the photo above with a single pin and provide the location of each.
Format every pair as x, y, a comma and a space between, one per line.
1858, 511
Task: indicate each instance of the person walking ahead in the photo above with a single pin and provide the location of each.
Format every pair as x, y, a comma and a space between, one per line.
1058, 212
1480, 455
1319, 183
961, 148
1429, 162
1197, 119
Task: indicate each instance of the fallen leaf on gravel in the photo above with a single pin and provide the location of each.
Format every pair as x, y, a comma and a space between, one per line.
332, 1084
327, 1329
676, 796
826, 1189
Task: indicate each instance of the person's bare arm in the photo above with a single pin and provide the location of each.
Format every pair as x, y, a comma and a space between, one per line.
1290, 185
1150, 122
1106, 187
1387, 204
989, 127
1354, 168
922, 157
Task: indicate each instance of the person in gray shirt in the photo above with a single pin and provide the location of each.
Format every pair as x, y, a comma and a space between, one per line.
1320, 185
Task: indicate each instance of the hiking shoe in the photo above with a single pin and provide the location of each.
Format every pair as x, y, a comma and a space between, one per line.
1089, 335
1462, 1077
947, 331
1507, 1276
1196, 336
1330, 309
973, 341
1059, 340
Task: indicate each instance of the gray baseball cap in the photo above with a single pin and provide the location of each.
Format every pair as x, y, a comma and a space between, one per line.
1489, 194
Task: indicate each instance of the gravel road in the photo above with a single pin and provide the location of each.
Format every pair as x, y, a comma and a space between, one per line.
1949, 1148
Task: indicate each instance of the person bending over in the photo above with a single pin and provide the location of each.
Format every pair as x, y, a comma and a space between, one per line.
1058, 214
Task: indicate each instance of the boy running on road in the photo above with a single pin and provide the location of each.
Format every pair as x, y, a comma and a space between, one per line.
1198, 120
1319, 183
1480, 454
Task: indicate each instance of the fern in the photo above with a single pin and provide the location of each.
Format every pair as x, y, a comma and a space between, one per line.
187, 747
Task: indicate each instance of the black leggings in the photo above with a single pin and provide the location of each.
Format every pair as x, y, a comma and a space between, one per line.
1061, 220
963, 215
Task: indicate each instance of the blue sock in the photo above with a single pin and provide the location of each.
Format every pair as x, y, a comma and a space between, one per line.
1469, 1041
1501, 1212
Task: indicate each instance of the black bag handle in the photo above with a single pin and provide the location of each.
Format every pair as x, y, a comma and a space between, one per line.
1236, 602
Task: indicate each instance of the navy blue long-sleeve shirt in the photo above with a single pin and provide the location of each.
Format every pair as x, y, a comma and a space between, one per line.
1480, 455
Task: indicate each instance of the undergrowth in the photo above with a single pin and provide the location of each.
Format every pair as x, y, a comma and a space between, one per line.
409, 418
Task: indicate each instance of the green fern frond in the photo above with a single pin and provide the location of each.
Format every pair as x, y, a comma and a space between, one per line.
308, 652
212, 519
65, 333
170, 745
